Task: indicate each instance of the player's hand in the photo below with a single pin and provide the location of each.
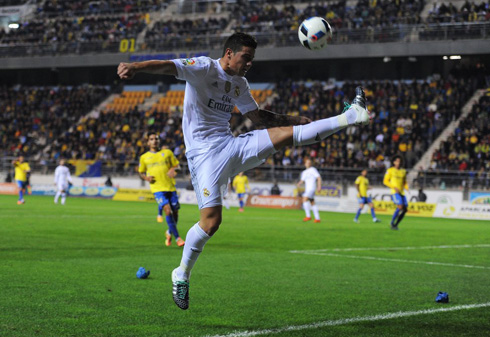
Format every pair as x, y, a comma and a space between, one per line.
172, 173
397, 190
150, 179
125, 71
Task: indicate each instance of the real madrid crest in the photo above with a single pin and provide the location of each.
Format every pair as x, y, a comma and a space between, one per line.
227, 86
205, 192
237, 91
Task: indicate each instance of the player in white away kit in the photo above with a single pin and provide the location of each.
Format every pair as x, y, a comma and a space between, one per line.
313, 182
61, 179
213, 89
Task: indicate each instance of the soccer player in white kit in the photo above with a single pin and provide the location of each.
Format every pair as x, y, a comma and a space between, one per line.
313, 182
213, 89
61, 178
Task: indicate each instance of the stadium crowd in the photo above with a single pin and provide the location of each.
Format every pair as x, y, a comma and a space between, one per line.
184, 33
87, 26
261, 17
87, 7
119, 139
34, 119
409, 116
469, 12
73, 34
52, 123
468, 149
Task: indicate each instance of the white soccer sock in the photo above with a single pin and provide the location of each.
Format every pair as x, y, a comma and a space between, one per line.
63, 198
315, 212
307, 208
56, 197
318, 130
194, 243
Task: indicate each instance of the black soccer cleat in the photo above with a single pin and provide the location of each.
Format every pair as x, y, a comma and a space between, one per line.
180, 291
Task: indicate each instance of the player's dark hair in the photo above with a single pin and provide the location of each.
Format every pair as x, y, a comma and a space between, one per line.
149, 133
395, 157
239, 40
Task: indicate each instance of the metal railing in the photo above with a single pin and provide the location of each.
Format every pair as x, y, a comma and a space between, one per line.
401, 33
290, 174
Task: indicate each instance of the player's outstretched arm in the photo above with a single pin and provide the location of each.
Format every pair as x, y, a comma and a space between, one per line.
128, 70
264, 119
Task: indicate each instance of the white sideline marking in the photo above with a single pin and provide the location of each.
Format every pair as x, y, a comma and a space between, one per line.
391, 248
394, 260
353, 320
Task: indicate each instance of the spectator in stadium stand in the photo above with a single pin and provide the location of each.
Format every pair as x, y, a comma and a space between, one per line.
215, 149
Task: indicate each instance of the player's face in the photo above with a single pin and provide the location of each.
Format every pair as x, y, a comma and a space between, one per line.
21, 159
153, 142
397, 162
364, 173
240, 62
308, 163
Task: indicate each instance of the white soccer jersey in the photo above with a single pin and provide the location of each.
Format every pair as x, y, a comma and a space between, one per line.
210, 97
62, 177
309, 176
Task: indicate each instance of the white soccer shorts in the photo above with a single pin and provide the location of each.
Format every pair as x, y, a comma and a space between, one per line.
62, 187
210, 171
310, 194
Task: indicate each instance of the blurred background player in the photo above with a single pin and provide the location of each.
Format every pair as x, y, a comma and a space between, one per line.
362, 185
157, 166
22, 172
241, 186
62, 179
396, 179
313, 183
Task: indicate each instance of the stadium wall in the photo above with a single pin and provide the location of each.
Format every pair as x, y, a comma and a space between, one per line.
440, 203
361, 50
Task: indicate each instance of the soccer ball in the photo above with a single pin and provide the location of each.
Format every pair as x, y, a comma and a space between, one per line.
314, 32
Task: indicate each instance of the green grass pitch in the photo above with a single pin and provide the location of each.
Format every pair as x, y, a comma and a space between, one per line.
71, 271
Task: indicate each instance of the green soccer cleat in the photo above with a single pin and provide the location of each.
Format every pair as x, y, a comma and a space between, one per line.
180, 291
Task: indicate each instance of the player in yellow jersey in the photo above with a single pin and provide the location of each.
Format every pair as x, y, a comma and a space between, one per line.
396, 179
22, 172
241, 186
158, 168
362, 185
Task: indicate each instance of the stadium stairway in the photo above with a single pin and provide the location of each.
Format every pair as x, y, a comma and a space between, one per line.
148, 104
94, 113
426, 158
